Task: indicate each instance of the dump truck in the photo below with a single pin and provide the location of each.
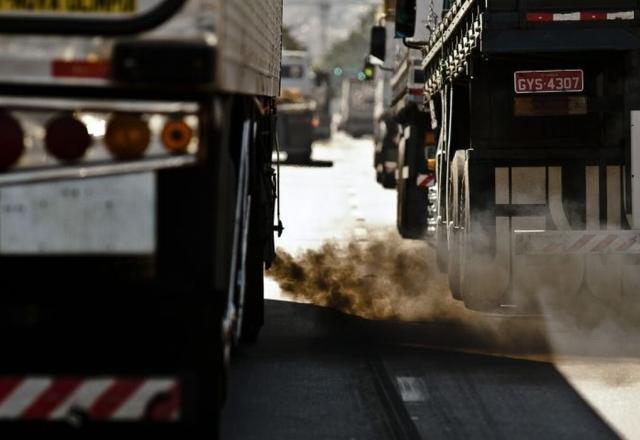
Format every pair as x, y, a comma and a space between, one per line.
136, 208
535, 108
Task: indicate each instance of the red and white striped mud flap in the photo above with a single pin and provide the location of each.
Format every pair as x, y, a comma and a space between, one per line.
577, 242
100, 399
425, 180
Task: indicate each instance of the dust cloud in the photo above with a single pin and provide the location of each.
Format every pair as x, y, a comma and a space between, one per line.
388, 278
391, 279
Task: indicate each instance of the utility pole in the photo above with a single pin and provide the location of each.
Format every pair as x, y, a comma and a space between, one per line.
325, 8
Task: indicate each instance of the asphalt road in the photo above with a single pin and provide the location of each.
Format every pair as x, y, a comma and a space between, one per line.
431, 369
320, 374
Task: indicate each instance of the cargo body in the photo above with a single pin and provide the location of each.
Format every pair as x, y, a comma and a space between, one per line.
532, 104
357, 107
136, 209
297, 107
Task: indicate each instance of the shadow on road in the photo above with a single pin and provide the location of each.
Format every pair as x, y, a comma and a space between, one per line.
308, 163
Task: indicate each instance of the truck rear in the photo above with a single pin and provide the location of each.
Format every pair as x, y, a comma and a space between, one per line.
136, 208
533, 103
297, 107
357, 107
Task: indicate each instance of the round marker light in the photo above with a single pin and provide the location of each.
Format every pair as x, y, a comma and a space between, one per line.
67, 138
127, 137
176, 136
11, 141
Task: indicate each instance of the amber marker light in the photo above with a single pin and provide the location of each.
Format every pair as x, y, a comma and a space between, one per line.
176, 136
127, 136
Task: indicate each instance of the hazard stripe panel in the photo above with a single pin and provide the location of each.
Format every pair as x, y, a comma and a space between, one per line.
98, 399
577, 242
580, 16
425, 180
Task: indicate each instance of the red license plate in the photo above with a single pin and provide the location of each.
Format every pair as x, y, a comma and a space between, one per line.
549, 81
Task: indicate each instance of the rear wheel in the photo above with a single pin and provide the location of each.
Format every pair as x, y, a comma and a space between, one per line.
412, 200
456, 224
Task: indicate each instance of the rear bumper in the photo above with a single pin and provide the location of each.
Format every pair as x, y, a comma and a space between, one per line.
552, 268
577, 242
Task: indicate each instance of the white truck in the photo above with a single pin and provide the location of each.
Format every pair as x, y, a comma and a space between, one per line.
136, 208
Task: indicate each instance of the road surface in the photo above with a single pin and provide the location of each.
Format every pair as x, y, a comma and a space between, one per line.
428, 368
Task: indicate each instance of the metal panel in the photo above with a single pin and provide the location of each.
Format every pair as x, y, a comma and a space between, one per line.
528, 186
249, 44
113, 215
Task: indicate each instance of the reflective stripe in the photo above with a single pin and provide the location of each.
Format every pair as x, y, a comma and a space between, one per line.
46, 398
580, 16
83, 398
23, 396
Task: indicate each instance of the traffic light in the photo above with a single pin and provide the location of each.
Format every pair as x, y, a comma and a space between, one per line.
368, 72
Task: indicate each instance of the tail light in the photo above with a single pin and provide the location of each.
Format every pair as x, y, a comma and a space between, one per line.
127, 136
176, 136
430, 138
11, 141
67, 138
431, 165
315, 122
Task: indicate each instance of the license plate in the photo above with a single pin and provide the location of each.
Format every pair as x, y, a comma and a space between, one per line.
110, 215
69, 6
549, 81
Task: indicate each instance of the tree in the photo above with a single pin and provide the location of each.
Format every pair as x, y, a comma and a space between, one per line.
289, 42
350, 53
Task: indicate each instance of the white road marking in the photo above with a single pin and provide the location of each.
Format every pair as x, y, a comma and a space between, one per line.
361, 234
412, 389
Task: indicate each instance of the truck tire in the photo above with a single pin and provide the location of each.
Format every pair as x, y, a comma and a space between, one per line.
253, 309
455, 239
412, 203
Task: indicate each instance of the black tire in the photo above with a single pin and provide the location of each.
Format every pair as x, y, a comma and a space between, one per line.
253, 310
412, 202
455, 239
388, 180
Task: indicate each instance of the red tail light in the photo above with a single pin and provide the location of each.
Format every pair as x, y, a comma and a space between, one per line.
11, 141
67, 138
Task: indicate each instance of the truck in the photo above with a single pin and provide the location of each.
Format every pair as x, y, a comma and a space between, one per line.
385, 128
409, 150
297, 108
356, 107
136, 209
535, 108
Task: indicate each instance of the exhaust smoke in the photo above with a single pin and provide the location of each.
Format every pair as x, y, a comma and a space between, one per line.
388, 278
